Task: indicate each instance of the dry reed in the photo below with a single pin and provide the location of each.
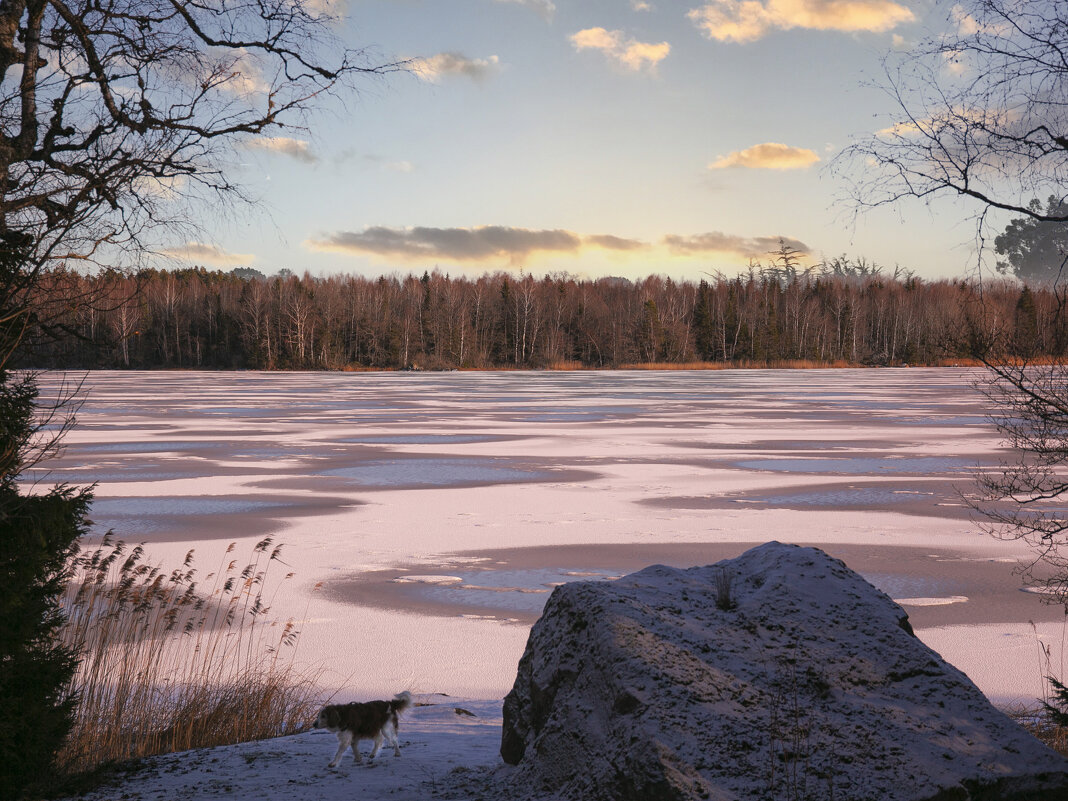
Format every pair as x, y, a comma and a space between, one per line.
167, 666
725, 600
1044, 730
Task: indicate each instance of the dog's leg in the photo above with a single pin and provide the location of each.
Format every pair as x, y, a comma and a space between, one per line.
343, 741
378, 745
356, 750
391, 732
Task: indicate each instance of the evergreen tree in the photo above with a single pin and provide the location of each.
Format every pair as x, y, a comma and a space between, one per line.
38, 535
1025, 324
704, 332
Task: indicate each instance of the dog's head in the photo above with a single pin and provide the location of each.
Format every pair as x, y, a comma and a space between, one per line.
329, 718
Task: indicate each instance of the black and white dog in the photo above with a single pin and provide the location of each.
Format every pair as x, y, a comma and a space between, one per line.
373, 720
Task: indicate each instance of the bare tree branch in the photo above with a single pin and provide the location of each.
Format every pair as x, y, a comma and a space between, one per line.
980, 113
102, 104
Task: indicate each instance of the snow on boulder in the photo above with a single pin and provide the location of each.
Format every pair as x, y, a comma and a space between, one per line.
779, 674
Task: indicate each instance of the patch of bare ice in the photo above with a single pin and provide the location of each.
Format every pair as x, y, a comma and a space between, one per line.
427, 580
946, 601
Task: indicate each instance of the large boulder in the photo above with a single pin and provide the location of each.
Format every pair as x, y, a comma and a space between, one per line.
779, 674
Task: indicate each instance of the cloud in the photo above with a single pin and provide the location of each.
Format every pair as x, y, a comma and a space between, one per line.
398, 166
609, 242
768, 156
208, 254
168, 188
434, 68
544, 8
331, 8
748, 20
466, 244
294, 148
238, 71
629, 53
515, 245
899, 42
965, 22
966, 118
717, 242
641, 5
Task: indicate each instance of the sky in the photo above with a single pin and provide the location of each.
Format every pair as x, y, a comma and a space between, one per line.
592, 137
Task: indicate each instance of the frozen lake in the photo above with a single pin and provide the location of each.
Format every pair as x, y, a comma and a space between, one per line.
431, 514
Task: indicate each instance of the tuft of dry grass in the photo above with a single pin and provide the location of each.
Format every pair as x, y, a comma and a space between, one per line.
1038, 724
1043, 721
169, 663
725, 600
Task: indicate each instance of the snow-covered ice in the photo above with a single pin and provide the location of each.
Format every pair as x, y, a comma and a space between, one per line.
516, 481
513, 482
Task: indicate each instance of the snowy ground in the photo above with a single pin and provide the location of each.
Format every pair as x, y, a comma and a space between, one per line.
427, 516
439, 749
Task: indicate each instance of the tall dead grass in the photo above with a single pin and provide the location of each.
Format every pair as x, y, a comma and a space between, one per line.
1043, 729
169, 663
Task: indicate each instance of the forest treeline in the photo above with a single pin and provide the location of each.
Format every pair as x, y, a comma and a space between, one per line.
846, 312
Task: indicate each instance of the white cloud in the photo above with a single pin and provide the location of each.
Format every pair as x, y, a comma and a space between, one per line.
768, 156
629, 53
167, 188
641, 5
294, 148
398, 166
544, 8
237, 71
328, 8
748, 20
201, 253
899, 42
965, 22
434, 68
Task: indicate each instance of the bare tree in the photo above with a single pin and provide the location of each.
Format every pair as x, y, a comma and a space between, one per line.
981, 112
1023, 500
112, 113
114, 116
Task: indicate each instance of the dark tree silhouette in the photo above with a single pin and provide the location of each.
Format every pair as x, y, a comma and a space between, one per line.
38, 535
1036, 251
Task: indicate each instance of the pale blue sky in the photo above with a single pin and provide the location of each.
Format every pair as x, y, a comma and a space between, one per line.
586, 141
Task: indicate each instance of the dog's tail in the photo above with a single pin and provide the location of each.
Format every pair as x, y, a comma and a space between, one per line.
401, 702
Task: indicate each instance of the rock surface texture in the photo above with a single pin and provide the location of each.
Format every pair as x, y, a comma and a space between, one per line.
799, 680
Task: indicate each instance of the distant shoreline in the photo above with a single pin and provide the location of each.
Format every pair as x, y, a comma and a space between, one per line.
555, 368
